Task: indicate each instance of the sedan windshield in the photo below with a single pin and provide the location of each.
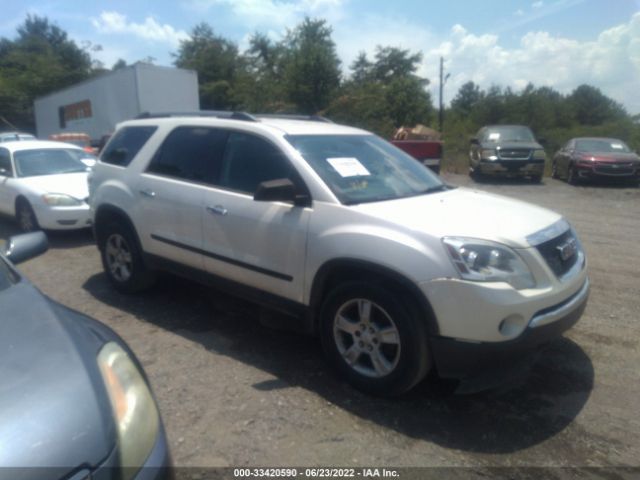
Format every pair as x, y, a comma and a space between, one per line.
47, 161
364, 168
508, 133
602, 146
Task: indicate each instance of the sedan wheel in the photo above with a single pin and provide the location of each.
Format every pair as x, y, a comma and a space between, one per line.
572, 177
26, 217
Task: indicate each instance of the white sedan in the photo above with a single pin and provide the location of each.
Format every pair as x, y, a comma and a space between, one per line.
44, 185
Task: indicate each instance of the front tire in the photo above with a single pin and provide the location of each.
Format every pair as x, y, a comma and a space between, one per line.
374, 339
26, 217
572, 176
122, 260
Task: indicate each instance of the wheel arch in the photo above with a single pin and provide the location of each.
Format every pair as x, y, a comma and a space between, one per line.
334, 272
105, 214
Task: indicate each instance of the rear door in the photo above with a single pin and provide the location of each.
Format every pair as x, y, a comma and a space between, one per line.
171, 193
260, 244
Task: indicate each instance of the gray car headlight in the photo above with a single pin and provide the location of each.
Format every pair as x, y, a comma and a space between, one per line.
484, 261
60, 200
134, 409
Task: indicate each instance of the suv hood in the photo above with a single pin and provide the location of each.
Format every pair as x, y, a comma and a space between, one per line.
465, 213
54, 411
74, 184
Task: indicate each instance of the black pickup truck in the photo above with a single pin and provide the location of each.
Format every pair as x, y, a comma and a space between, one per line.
508, 150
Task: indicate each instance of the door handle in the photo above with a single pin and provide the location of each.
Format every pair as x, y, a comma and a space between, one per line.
217, 210
148, 193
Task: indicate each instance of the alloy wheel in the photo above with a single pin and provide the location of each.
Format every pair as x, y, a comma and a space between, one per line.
118, 257
367, 338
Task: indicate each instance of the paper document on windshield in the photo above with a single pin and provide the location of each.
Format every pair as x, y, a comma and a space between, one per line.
348, 166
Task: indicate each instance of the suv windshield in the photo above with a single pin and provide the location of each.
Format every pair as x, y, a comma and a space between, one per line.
47, 161
602, 146
510, 133
364, 168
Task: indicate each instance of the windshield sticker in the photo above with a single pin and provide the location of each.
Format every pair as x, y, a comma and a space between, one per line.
348, 166
617, 146
494, 136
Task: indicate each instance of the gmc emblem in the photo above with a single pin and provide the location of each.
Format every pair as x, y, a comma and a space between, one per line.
567, 249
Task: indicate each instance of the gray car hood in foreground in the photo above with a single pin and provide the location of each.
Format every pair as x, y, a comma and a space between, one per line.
54, 409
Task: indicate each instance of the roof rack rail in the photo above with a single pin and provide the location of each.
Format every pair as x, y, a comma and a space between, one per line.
313, 118
201, 113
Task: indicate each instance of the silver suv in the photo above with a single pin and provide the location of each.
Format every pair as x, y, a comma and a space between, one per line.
398, 272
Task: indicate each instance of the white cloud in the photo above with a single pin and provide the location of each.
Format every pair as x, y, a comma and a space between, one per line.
275, 14
611, 62
111, 22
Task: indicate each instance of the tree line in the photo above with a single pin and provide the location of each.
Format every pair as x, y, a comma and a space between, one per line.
302, 73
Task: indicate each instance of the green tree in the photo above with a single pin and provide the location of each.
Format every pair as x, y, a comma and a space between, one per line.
40, 60
312, 67
217, 62
591, 107
468, 97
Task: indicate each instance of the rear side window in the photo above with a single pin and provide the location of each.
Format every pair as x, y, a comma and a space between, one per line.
250, 160
126, 144
5, 163
190, 153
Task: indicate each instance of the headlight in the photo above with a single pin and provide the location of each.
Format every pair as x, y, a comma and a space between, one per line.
60, 200
484, 261
134, 410
539, 155
489, 154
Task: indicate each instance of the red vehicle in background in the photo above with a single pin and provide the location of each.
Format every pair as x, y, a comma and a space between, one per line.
422, 143
584, 158
81, 140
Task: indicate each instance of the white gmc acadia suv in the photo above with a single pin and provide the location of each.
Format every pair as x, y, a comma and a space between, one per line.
398, 272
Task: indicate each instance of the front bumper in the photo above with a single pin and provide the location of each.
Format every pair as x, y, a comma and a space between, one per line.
63, 218
485, 364
510, 167
607, 171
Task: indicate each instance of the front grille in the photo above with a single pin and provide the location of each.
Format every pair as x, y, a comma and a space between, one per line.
513, 165
614, 169
551, 252
514, 153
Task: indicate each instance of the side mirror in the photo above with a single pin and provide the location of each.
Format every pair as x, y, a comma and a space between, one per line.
474, 141
280, 190
26, 246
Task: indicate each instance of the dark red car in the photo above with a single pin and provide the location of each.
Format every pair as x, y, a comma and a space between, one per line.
583, 158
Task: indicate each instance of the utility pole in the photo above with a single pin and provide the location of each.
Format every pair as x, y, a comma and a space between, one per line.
443, 80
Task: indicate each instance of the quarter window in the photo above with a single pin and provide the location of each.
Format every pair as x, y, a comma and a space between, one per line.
5, 162
250, 160
126, 144
190, 153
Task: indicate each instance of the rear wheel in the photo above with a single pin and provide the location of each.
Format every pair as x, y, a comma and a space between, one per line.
26, 217
373, 339
122, 260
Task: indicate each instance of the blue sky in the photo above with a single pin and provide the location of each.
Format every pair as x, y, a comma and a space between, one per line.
559, 43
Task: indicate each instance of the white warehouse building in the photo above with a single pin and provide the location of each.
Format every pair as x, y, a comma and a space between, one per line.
96, 105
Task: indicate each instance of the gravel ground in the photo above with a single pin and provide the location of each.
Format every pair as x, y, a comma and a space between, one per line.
235, 393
